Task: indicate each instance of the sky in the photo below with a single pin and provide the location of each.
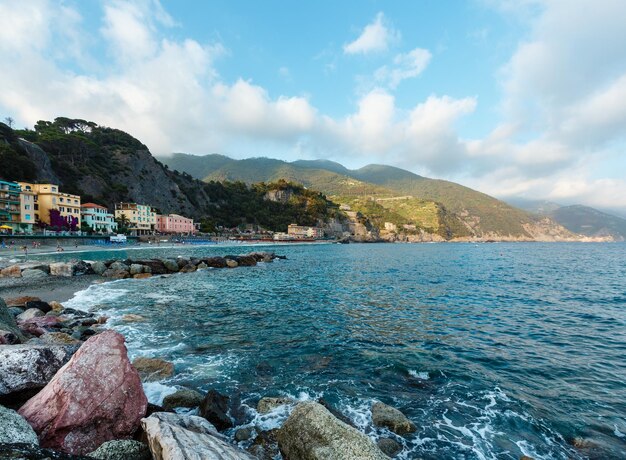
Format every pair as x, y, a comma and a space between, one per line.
515, 98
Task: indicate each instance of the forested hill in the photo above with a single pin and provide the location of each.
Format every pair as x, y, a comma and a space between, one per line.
107, 165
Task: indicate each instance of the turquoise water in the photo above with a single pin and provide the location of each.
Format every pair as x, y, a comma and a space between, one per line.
493, 350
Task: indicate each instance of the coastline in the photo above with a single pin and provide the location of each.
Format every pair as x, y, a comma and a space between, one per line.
53, 288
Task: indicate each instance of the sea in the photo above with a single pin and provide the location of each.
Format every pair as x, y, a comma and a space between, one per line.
494, 351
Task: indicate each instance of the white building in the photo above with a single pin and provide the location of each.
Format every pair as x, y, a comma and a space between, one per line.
98, 218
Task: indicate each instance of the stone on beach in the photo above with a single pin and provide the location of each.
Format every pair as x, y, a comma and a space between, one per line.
312, 433
20, 301
391, 418
40, 305
34, 273
268, 404
183, 398
141, 276
175, 436
231, 263
62, 269
14, 429
98, 267
8, 323
122, 449
131, 318
214, 408
389, 446
14, 271
29, 366
33, 452
171, 265
152, 369
215, 262
116, 274
29, 314
96, 397
136, 269
59, 338
39, 325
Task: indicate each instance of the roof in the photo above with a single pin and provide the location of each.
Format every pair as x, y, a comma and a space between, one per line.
92, 205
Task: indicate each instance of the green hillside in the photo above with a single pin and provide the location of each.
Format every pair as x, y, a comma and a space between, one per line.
589, 221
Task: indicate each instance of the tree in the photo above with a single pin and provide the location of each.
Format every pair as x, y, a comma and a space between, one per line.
9, 121
123, 224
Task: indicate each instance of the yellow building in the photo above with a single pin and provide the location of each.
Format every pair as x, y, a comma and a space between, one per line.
47, 197
142, 218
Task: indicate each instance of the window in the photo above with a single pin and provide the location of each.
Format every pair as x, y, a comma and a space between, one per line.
54, 189
27, 216
26, 206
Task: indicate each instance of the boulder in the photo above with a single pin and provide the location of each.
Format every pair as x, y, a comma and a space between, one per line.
188, 268
39, 325
214, 408
385, 416
182, 398
13, 428
243, 434
8, 338
389, 446
59, 338
265, 445
335, 412
24, 451
29, 314
246, 261
171, 265
122, 449
202, 266
116, 274
35, 273
152, 369
14, 271
132, 318
98, 267
181, 262
141, 276
136, 269
156, 266
175, 436
8, 323
83, 268
215, 262
15, 311
40, 305
30, 366
268, 404
20, 301
231, 263
119, 266
96, 397
62, 269
312, 433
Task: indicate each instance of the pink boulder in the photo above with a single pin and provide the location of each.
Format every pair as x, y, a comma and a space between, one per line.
96, 397
39, 325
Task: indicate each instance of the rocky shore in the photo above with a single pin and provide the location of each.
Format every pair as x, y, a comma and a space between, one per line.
69, 391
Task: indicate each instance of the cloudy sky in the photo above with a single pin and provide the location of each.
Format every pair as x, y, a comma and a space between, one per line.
521, 98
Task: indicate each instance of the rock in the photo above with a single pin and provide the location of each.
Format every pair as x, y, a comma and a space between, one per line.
131, 318
119, 266
214, 408
122, 449
59, 338
268, 404
39, 325
389, 446
15, 311
215, 262
141, 276
246, 261
174, 436
312, 433
136, 269
56, 307
151, 369
62, 269
8, 338
14, 271
96, 397
181, 262
98, 267
188, 268
20, 301
388, 417
265, 445
29, 314
202, 266
83, 268
8, 323
32, 452
116, 274
230, 263
171, 265
30, 366
335, 412
183, 398
34, 274
14, 429
38, 304
243, 434
156, 266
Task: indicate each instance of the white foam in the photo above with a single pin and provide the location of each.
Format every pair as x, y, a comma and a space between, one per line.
96, 294
156, 391
419, 375
618, 433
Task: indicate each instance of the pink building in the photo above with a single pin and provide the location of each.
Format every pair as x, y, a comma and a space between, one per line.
173, 223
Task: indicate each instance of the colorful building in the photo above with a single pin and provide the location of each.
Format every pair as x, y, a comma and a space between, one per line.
9, 207
173, 223
142, 218
98, 218
47, 197
299, 231
27, 210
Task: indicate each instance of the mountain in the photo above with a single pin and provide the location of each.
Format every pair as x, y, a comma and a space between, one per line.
543, 207
481, 214
106, 165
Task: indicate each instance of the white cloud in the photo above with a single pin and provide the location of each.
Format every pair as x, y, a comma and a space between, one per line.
408, 65
376, 37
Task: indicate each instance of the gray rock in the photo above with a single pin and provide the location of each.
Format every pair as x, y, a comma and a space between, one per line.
62, 269
385, 416
8, 338
230, 263
40, 304
312, 433
98, 267
15, 311
171, 265
202, 266
116, 274
183, 398
389, 446
14, 429
174, 436
30, 366
124, 449
30, 314
8, 323
34, 452
135, 269
119, 266
265, 445
214, 408
34, 273
268, 404
243, 434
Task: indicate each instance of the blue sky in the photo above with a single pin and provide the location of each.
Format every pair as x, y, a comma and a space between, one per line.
515, 98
